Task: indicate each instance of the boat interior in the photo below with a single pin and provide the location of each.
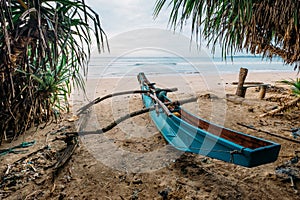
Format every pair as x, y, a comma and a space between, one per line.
233, 136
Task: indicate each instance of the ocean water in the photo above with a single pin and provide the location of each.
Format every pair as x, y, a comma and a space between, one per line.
131, 66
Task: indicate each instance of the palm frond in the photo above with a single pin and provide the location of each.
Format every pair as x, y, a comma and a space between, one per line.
270, 28
295, 85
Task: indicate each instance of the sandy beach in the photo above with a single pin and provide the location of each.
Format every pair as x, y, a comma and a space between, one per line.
138, 152
133, 161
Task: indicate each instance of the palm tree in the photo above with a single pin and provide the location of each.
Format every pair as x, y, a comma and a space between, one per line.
45, 46
267, 27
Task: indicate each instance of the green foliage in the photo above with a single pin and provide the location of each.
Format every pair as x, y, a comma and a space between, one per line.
45, 47
271, 28
295, 85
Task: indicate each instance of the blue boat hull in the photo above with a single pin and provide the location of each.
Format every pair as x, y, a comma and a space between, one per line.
187, 137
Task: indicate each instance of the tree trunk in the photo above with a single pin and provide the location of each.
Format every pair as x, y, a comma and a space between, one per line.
241, 91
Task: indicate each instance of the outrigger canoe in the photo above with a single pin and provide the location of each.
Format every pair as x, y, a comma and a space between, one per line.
189, 133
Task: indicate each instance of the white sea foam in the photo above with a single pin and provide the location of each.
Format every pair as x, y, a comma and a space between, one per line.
130, 66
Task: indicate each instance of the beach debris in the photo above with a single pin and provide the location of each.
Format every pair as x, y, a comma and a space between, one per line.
135, 194
164, 193
285, 107
13, 149
251, 110
276, 89
63, 128
26, 169
36, 166
279, 99
8, 169
234, 99
290, 170
137, 181
295, 132
73, 118
72, 144
209, 96
248, 83
206, 160
263, 122
269, 108
35, 193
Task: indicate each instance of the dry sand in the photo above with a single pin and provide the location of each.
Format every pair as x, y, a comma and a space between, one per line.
133, 161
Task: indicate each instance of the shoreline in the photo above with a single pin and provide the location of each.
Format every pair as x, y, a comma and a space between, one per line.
293, 74
222, 73
194, 80
190, 83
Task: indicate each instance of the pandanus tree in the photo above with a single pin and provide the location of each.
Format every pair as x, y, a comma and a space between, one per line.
45, 47
267, 27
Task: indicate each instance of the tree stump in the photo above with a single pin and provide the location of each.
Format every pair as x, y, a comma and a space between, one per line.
241, 91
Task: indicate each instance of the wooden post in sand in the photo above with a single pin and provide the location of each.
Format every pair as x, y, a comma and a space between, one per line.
262, 91
241, 91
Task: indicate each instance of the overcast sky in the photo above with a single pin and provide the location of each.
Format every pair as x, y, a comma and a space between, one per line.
120, 16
